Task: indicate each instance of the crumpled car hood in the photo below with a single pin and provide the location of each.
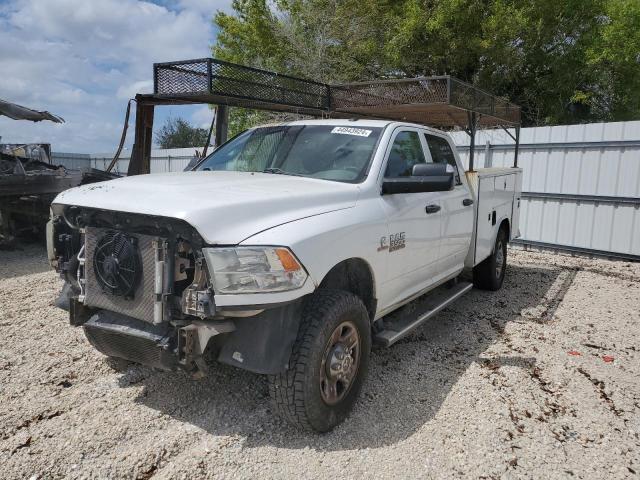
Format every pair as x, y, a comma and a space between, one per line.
224, 207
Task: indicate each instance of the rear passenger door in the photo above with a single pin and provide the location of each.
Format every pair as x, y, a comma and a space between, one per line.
414, 231
457, 212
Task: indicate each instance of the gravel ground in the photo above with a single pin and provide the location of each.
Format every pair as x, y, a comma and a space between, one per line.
539, 380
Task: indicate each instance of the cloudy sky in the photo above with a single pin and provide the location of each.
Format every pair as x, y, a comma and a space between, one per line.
82, 60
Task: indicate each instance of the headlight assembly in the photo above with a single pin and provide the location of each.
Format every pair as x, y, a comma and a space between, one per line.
253, 269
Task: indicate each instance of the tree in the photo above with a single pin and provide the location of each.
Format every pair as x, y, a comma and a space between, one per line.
614, 58
326, 40
563, 61
177, 133
297, 37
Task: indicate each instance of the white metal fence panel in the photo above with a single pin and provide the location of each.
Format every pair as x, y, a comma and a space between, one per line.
604, 227
162, 160
158, 164
581, 184
71, 160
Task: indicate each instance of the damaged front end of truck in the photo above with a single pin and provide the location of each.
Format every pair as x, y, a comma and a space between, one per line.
141, 288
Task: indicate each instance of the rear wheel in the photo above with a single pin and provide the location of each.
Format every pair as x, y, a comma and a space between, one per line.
489, 274
328, 364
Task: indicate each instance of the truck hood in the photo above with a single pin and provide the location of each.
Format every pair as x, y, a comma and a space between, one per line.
224, 207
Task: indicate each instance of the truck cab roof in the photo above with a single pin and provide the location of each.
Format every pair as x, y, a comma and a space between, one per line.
352, 122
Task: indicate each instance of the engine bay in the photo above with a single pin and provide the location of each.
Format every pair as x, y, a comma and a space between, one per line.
127, 263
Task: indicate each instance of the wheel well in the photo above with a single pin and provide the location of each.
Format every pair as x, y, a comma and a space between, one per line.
505, 225
353, 275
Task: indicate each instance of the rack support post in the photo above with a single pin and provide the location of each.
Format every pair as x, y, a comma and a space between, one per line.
222, 125
517, 149
471, 131
140, 162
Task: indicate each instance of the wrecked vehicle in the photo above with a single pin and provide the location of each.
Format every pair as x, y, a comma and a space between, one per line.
282, 253
28, 180
28, 184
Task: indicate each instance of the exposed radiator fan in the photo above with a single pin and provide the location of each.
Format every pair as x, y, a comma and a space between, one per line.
116, 263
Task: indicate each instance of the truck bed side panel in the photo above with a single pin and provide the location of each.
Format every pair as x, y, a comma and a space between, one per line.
515, 217
497, 193
486, 205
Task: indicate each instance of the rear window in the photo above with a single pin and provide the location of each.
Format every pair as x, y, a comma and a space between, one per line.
441, 153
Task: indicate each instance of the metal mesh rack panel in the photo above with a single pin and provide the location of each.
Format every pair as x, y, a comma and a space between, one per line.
438, 101
442, 101
464, 95
188, 77
390, 92
217, 78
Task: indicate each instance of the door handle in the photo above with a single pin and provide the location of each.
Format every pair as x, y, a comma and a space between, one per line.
432, 208
467, 201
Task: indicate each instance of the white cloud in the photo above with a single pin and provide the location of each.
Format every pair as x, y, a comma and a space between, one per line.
202, 117
82, 59
128, 91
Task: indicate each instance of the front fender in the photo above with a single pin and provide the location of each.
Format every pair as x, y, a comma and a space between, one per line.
322, 241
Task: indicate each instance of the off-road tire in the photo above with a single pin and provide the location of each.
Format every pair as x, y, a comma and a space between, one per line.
296, 393
489, 274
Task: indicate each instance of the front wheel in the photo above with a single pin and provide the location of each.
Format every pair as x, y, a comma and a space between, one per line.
489, 274
328, 364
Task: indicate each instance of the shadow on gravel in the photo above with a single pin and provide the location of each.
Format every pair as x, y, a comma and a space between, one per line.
407, 383
24, 260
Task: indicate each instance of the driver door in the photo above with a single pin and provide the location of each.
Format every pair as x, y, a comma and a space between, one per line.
413, 219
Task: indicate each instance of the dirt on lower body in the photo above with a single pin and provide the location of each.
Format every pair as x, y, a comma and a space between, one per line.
538, 380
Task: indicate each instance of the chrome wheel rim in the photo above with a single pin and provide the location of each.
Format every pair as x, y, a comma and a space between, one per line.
340, 363
499, 259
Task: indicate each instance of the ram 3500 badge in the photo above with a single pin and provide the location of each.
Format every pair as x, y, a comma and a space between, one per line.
281, 253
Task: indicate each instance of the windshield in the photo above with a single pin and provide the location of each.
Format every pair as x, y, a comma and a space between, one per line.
329, 152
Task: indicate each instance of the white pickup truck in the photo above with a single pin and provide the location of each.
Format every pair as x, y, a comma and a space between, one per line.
282, 252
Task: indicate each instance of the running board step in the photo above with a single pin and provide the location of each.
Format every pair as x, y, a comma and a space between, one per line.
434, 302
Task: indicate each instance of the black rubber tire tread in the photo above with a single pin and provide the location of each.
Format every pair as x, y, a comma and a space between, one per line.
484, 276
292, 391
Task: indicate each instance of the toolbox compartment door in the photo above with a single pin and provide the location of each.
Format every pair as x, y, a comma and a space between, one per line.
497, 194
486, 205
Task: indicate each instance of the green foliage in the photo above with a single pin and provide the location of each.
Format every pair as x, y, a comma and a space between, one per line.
177, 133
563, 61
328, 40
240, 119
614, 59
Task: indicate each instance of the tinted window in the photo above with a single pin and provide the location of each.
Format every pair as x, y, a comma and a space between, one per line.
328, 152
406, 152
441, 153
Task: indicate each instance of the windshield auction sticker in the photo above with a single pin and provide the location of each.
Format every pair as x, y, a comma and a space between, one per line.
360, 132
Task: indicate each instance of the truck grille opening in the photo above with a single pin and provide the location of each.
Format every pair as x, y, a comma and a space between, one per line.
123, 337
117, 264
112, 287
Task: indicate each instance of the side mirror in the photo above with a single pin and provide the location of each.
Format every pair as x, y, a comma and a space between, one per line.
425, 177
